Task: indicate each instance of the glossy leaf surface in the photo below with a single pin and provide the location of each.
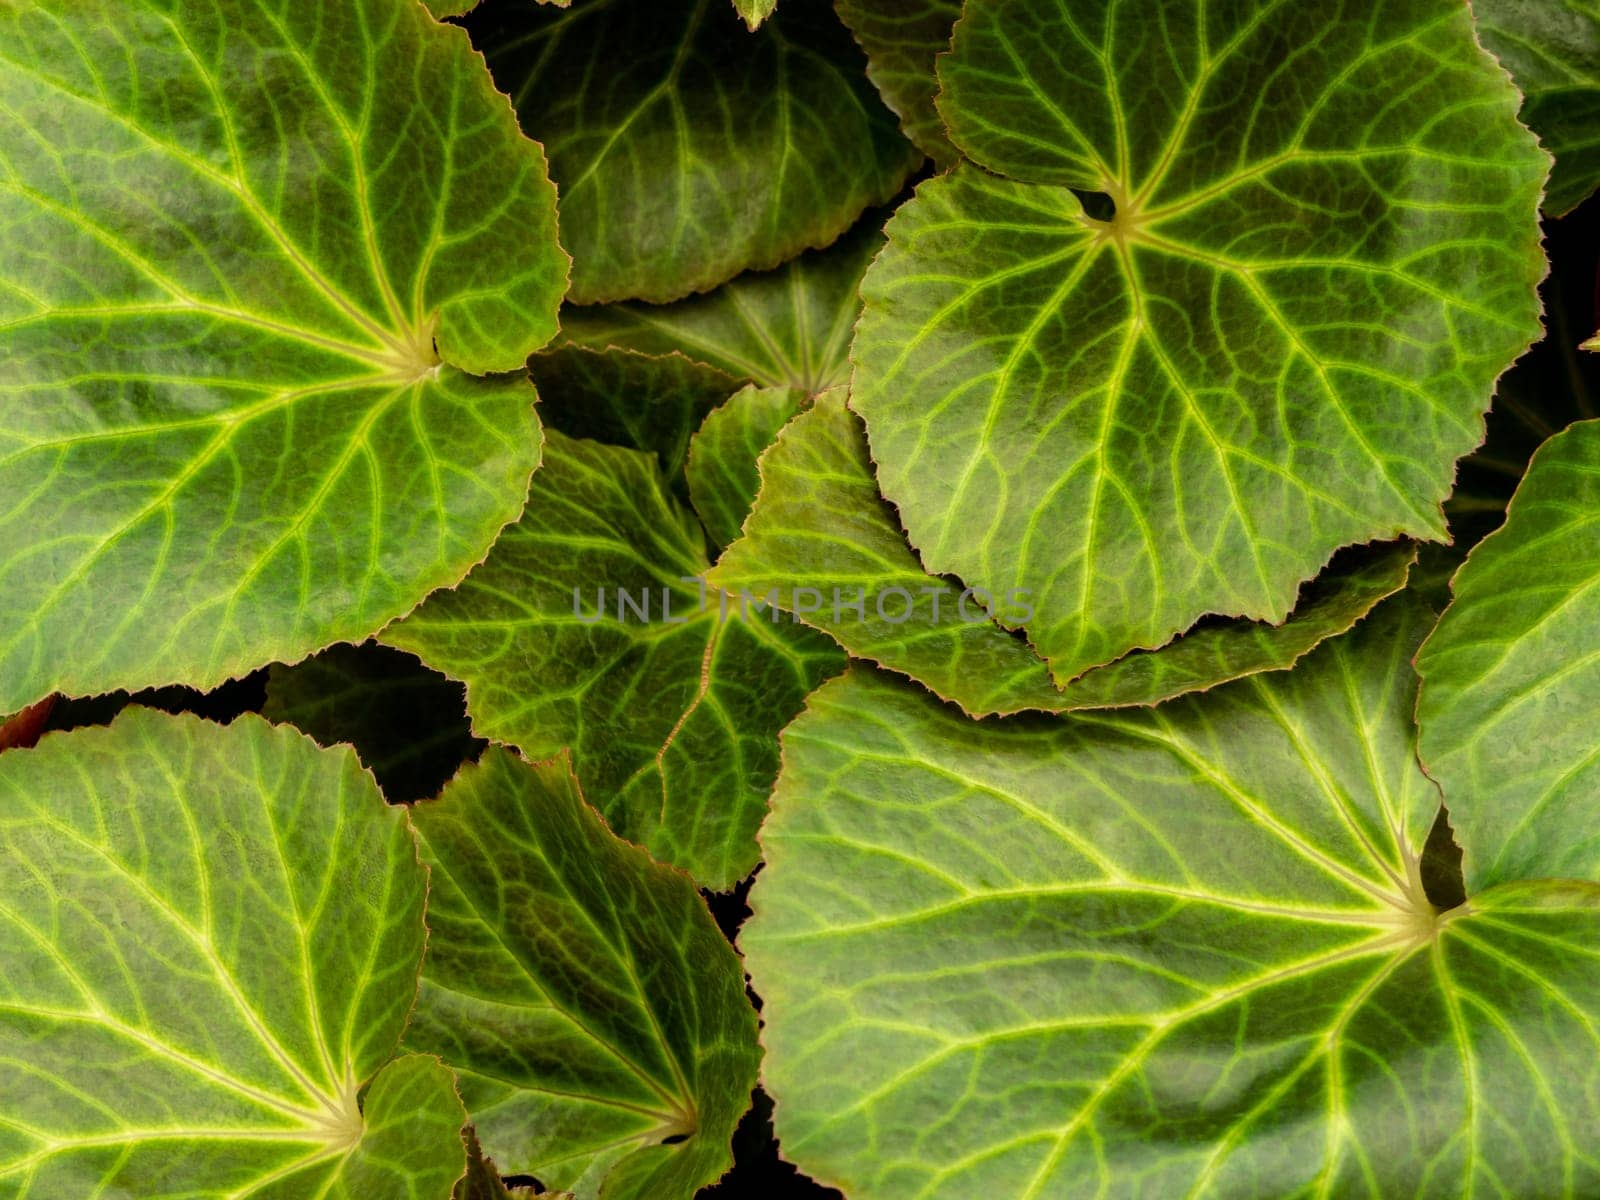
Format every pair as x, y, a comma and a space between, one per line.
1276, 346
1179, 952
583, 991
255, 257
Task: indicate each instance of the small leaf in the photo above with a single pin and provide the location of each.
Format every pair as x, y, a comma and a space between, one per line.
597, 1016
723, 475
650, 402
754, 11
785, 328
670, 703
688, 149
1278, 344
820, 538
257, 256
1182, 951
1511, 678
902, 39
1552, 49
408, 724
211, 938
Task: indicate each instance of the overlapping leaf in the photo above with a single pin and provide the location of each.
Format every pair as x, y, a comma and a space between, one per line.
210, 941
407, 724
1552, 49
902, 39
587, 627
1276, 346
822, 543
597, 1015
723, 473
784, 328
1179, 952
250, 255
688, 149
1511, 678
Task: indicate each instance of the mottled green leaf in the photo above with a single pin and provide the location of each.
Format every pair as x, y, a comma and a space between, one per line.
1277, 345
820, 526
211, 938
1511, 678
1182, 951
407, 724
648, 401
784, 328
250, 254
1552, 49
583, 991
902, 38
687, 148
587, 628
723, 476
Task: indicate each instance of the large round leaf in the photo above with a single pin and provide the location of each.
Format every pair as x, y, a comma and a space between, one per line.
1511, 678
210, 941
688, 149
251, 253
1552, 49
1180, 952
589, 627
1276, 346
596, 1014
823, 545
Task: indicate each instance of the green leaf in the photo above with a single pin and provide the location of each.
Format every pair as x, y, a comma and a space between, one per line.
1511, 678
670, 704
1552, 49
687, 149
1277, 346
785, 328
1181, 951
723, 476
211, 938
250, 255
902, 38
754, 11
482, 1180
820, 528
647, 401
407, 724
583, 991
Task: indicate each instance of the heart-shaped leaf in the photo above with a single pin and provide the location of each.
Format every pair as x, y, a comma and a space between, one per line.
1271, 335
254, 256
1173, 952
1512, 675
785, 328
902, 39
211, 938
588, 626
1552, 49
596, 1014
688, 149
825, 546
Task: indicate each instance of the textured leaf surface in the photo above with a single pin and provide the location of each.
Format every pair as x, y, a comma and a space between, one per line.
250, 253
1552, 49
902, 38
582, 990
1179, 952
1278, 345
1511, 678
650, 402
723, 475
407, 724
785, 328
672, 715
819, 525
211, 938
688, 149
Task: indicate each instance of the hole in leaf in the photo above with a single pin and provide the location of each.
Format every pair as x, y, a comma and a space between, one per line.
524, 1181
1097, 206
675, 1139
